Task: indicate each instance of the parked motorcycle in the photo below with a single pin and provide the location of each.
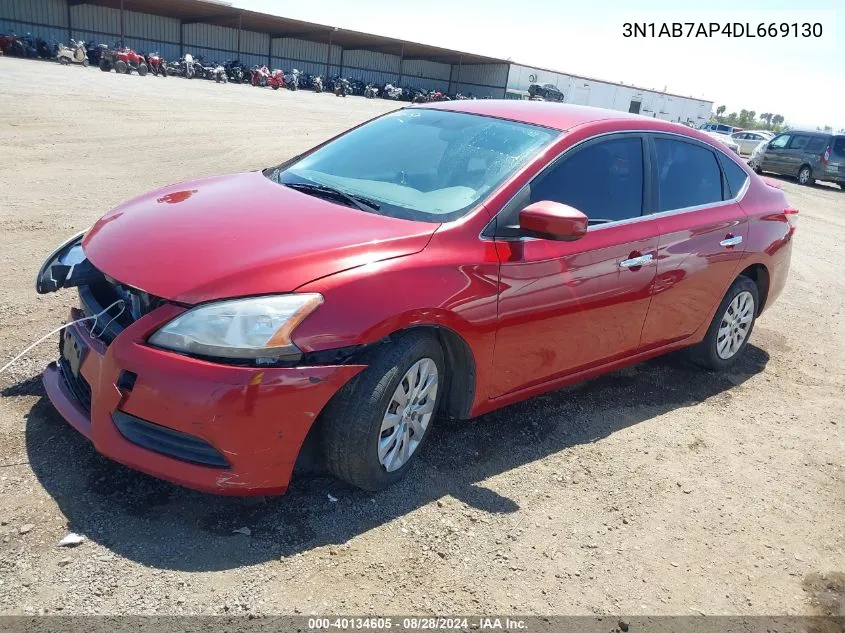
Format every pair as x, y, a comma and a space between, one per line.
391, 92
95, 52
259, 76
276, 79
342, 87
317, 83
292, 80
220, 75
235, 71
75, 53
123, 60
370, 91
157, 64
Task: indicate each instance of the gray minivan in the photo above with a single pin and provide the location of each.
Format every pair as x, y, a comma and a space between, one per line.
808, 156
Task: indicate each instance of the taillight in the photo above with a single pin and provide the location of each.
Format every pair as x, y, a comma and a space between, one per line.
791, 217
826, 156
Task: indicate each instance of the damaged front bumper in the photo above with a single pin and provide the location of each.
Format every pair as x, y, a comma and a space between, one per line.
215, 428
218, 428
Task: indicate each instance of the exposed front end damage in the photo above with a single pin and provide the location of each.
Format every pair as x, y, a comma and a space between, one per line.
223, 429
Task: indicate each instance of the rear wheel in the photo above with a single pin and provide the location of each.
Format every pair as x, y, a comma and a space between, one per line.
64, 61
805, 175
105, 66
121, 67
373, 428
730, 328
142, 69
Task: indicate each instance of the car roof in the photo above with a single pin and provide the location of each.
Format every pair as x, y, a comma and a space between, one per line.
558, 116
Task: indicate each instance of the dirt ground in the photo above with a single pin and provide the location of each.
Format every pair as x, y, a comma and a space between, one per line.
659, 489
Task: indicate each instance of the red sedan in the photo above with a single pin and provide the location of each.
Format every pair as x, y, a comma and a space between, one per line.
442, 260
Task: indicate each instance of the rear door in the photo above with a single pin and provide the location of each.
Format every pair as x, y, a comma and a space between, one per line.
703, 231
774, 158
565, 307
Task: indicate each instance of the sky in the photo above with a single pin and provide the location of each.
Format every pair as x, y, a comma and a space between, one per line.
802, 79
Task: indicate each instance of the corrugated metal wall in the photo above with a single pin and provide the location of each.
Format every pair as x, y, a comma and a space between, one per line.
34, 13
257, 43
371, 60
211, 36
87, 17
426, 69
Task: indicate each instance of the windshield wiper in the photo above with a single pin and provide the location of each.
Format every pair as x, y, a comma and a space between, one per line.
364, 204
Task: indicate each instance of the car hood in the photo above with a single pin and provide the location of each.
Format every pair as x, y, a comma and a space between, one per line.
240, 235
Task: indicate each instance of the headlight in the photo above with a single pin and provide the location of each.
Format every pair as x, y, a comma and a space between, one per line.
59, 265
258, 327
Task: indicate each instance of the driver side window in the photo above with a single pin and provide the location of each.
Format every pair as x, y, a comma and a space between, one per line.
604, 180
780, 142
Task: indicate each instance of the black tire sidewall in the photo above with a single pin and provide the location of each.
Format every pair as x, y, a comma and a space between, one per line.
707, 352
352, 421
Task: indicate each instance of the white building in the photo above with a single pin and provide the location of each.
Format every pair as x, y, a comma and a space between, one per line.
605, 94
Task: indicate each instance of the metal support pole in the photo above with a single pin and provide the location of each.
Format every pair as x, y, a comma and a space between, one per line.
341, 62
270, 54
240, 15
69, 25
460, 68
329, 55
401, 65
181, 39
122, 42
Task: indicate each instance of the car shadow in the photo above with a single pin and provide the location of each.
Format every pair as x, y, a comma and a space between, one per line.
822, 185
165, 526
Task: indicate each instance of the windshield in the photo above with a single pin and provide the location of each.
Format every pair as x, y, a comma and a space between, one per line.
418, 164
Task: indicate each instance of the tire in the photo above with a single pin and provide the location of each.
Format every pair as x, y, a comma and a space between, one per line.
85, 63
64, 61
275, 86
163, 71
105, 66
352, 421
805, 176
120, 67
142, 69
707, 353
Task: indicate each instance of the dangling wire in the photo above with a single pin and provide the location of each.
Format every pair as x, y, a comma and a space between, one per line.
59, 329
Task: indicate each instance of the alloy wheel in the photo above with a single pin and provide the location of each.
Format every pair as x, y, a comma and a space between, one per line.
735, 325
804, 176
408, 414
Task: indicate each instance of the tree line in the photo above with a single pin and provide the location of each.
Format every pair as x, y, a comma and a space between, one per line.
748, 120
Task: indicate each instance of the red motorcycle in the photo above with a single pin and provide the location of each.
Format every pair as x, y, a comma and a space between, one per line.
259, 76
276, 79
123, 60
157, 64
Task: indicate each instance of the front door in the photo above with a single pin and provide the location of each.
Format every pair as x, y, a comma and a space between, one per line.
569, 306
774, 158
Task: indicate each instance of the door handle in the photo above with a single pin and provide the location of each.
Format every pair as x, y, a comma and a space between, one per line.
636, 261
731, 241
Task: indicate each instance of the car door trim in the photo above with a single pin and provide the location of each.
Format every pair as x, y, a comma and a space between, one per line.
648, 167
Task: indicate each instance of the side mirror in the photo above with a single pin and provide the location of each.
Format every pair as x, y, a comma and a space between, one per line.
553, 221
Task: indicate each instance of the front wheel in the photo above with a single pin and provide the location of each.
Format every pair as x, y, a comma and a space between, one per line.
64, 61
730, 329
374, 426
85, 63
142, 69
121, 67
105, 66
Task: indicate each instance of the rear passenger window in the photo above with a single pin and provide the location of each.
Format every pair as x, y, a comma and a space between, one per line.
817, 144
604, 180
799, 142
687, 175
735, 175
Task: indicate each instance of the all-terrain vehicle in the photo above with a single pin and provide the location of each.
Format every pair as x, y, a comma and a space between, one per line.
123, 60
